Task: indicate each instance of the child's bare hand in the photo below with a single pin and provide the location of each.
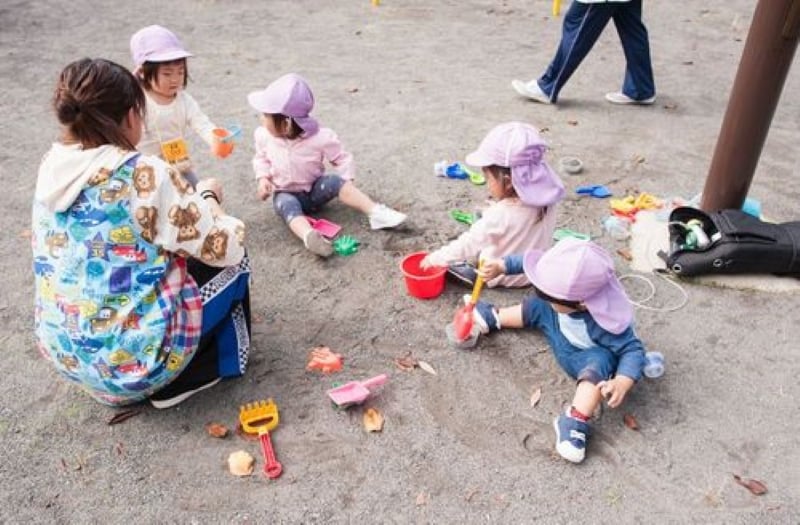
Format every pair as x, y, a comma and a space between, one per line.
492, 268
614, 390
426, 263
210, 184
264, 188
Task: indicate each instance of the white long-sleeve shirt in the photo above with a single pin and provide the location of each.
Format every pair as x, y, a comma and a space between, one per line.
165, 122
507, 227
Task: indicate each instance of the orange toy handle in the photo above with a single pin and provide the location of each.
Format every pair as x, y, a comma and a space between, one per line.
272, 468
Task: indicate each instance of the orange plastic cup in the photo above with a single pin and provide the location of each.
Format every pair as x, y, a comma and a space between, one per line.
223, 143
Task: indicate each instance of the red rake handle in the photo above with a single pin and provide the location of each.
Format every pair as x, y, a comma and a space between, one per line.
272, 468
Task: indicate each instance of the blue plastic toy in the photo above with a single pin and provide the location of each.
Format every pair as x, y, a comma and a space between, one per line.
598, 191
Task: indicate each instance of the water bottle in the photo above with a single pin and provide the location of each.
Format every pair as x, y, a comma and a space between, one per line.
617, 228
696, 237
654, 364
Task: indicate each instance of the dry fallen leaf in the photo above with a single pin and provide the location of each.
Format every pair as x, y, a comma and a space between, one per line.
753, 485
535, 397
572, 122
119, 417
427, 367
422, 499
373, 420
625, 253
352, 90
405, 363
217, 430
240, 463
630, 422
638, 159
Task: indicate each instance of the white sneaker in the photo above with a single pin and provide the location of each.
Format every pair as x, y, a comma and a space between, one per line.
382, 217
531, 90
621, 98
316, 244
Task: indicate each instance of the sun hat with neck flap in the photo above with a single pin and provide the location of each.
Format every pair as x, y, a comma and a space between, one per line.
581, 271
156, 44
518, 146
289, 95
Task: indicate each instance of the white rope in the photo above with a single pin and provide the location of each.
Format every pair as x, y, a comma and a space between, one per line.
640, 304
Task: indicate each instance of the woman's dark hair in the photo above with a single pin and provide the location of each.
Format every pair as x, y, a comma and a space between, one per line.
92, 98
278, 120
149, 71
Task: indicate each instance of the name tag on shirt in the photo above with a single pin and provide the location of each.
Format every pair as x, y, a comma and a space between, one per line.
175, 150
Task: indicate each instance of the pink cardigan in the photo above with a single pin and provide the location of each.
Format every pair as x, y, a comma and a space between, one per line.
507, 227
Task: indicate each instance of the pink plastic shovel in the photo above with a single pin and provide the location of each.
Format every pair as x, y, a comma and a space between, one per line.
355, 392
325, 227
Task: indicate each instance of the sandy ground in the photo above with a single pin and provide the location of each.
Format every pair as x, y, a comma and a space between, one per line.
405, 85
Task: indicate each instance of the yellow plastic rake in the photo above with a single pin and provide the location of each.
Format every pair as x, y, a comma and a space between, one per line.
259, 418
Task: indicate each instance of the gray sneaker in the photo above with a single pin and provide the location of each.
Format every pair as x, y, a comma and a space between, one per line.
316, 243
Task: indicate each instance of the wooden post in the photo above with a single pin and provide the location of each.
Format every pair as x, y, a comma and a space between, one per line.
766, 59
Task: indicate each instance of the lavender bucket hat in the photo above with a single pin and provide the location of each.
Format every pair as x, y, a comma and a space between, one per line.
289, 95
581, 271
518, 146
156, 44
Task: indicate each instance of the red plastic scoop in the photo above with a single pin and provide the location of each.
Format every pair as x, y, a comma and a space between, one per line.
462, 321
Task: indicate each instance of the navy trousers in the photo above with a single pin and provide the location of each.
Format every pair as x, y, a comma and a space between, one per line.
583, 24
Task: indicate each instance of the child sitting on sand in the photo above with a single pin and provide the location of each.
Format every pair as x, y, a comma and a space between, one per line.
582, 310
291, 150
526, 190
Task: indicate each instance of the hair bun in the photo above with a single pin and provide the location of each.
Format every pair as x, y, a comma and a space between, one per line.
69, 109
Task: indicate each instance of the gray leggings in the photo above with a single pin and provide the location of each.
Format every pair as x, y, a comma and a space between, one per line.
294, 204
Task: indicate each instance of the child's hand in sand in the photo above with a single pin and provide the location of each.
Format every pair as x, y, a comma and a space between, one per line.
264, 188
492, 268
614, 390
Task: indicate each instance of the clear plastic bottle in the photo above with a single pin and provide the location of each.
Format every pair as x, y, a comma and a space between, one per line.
616, 227
654, 364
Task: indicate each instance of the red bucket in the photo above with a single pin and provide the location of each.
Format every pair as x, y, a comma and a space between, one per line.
422, 284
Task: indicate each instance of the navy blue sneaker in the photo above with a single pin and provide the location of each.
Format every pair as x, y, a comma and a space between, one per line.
571, 437
462, 272
485, 316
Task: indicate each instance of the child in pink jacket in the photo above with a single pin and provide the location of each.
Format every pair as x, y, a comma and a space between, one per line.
523, 218
290, 163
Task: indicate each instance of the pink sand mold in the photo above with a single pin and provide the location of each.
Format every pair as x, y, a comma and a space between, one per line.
355, 392
325, 227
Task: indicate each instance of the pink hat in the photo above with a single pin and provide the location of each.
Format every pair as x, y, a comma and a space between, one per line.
581, 271
156, 44
290, 96
518, 146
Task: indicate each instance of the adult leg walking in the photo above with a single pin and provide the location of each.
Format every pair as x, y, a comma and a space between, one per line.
583, 25
638, 84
